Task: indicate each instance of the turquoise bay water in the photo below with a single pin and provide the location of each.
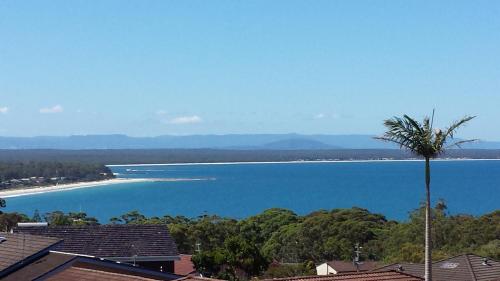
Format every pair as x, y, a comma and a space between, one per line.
241, 190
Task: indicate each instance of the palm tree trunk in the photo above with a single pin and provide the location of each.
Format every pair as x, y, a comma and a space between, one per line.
428, 241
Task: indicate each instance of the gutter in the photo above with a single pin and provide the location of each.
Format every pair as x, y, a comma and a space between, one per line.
144, 258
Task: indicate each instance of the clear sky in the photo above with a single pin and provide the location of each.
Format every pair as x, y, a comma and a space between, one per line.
146, 68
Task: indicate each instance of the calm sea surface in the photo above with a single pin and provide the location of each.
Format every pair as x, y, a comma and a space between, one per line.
241, 190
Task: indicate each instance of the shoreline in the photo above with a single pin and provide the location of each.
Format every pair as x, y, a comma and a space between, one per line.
300, 162
78, 185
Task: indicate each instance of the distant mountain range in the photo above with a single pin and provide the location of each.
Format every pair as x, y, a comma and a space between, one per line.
231, 141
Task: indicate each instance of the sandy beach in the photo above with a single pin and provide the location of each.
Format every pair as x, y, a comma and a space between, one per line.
78, 185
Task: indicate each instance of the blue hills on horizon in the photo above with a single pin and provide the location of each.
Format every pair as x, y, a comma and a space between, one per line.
229, 141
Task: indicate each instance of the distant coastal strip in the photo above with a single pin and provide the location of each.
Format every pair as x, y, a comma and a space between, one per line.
297, 162
72, 186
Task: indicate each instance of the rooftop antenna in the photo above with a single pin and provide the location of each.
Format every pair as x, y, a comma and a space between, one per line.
134, 256
356, 261
198, 250
296, 256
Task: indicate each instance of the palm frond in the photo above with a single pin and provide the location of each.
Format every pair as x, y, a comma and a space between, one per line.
403, 131
420, 138
432, 118
450, 131
414, 124
393, 140
459, 143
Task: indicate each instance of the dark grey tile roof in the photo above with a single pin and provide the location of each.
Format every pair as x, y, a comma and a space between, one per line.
111, 241
17, 249
467, 267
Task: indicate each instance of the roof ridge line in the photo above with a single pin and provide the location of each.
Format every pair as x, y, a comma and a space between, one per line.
341, 274
469, 265
405, 273
72, 254
452, 257
393, 264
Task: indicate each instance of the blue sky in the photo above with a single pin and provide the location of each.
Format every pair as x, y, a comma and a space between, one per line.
147, 68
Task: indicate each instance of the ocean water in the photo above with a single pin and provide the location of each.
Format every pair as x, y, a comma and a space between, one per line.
240, 190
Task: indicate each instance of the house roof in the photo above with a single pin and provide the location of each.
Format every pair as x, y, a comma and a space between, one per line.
117, 242
196, 278
85, 274
64, 266
415, 269
360, 276
467, 267
37, 267
344, 267
18, 249
184, 266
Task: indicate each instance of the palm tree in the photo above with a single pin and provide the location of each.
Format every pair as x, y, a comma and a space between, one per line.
422, 140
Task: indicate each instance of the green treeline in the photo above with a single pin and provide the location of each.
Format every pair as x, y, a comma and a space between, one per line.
32, 173
240, 249
151, 156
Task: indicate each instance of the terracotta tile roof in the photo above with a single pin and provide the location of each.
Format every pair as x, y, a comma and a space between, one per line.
415, 269
84, 274
362, 276
468, 267
197, 278
64, 266
17, 249
344, 267
111, 241
184, 266
38, 267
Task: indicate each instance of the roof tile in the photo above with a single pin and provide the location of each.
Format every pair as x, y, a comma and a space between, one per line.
363, 276
111, 241
18, 247
467, 267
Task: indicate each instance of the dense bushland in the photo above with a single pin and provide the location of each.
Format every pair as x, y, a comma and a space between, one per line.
279, 242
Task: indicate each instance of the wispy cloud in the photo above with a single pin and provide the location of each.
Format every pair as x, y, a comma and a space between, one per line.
4, 110
161, 112
325, 115
319, 116
185, 120
54, 109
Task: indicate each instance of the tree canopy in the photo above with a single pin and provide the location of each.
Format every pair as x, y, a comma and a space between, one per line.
280, 243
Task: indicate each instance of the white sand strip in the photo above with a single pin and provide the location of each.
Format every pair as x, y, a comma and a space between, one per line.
77, 185
299, 162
